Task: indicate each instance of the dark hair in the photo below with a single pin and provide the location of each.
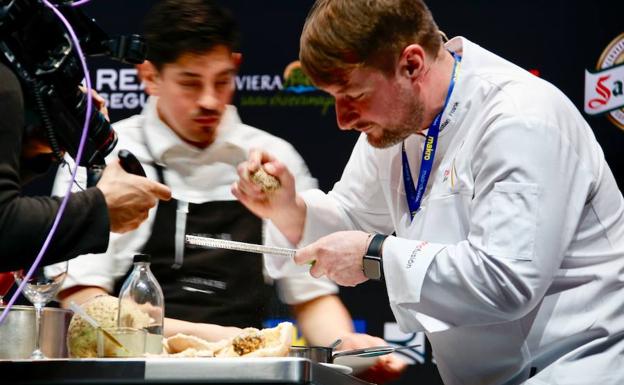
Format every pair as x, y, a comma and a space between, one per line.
340, 35
173, 28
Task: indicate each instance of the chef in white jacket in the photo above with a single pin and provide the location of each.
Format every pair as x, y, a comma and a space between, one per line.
509, 226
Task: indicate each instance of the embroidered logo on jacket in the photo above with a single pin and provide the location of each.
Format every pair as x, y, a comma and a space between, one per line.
417, 249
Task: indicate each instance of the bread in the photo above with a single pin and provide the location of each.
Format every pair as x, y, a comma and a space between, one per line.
267, 182
273, 342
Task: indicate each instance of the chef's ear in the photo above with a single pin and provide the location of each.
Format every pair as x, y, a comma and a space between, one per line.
237, 59
150, 76
412, 61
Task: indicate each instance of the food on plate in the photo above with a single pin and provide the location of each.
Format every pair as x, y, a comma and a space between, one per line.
251, 342
267, 182
183, 345
82, 337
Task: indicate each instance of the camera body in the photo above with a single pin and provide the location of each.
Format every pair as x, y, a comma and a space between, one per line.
35, 44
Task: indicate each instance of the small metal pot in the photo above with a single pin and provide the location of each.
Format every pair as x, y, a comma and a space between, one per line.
17, 332
320, 354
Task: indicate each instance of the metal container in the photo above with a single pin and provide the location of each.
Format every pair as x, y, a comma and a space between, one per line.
17, 332
318, 354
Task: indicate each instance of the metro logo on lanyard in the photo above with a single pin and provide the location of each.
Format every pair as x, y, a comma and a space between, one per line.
414, 194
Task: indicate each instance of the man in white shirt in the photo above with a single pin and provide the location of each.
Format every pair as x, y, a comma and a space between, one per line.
509, 246
189, 138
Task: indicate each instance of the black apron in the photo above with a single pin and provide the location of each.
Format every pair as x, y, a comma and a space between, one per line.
217, 286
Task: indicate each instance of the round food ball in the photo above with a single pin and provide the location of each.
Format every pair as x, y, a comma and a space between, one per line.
268, 183
82, 337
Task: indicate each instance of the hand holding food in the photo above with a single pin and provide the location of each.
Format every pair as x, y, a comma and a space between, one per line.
267, 182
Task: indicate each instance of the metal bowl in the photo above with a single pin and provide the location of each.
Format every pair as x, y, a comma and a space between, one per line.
17, 332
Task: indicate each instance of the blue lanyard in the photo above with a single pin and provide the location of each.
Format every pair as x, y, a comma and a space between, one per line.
414, 194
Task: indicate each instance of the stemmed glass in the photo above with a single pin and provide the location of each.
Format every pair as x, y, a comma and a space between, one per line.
41, 289
6, 281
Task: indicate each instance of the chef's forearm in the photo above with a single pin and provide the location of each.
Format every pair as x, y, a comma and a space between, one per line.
209, 332
290, 221
79, 294
323, 320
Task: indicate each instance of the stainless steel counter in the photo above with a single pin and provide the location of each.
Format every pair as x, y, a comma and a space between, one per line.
286, 370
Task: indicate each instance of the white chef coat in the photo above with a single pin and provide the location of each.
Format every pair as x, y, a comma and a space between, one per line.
516, 258
196, 176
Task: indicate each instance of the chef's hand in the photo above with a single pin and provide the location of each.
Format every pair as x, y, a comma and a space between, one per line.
282, 206
387, 368
338, 256
129, 197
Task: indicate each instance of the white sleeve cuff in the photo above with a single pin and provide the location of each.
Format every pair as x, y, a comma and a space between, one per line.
294, 283
322, 217
302, 288
89, 270
279, 266
406, 263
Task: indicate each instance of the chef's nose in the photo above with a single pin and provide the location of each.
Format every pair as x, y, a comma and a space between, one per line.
346, 114
208, 99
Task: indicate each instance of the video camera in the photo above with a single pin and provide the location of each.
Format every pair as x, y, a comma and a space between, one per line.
35, 44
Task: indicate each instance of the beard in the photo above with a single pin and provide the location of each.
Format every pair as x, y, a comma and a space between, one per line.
394, 133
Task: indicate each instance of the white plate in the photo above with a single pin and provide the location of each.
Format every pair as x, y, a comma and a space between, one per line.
358, 364
341, 368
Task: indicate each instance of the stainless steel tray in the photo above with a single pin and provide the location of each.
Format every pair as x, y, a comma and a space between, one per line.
286, 370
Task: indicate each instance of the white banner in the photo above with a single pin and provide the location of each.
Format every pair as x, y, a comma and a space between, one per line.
604, 90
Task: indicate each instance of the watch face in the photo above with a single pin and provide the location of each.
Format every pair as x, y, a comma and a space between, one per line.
372, 268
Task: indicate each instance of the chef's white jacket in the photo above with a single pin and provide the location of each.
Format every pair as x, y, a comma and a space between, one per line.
194, 175
514, 264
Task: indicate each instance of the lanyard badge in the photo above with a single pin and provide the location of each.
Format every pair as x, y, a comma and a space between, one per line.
414, 194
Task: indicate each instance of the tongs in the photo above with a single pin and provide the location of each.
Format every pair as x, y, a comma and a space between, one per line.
373, 351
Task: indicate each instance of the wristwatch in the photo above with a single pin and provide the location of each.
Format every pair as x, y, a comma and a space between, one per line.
372, 264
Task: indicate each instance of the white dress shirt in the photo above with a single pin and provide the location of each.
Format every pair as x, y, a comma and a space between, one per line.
516, 258
196, 176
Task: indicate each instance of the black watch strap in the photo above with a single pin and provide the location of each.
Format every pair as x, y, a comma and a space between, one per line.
372, 263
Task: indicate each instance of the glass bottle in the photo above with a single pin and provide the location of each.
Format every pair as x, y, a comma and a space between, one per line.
142, 304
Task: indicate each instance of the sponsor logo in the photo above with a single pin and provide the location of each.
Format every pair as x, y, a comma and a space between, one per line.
604, 86
412, 258
293, 89
121, 88
429, 148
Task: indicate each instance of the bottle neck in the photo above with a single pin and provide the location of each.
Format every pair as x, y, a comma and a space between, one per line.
141, 266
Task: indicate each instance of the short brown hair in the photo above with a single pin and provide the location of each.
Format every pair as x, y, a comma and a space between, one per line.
340, 35
174, 28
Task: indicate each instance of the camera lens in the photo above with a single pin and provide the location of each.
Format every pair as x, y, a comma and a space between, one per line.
101, 134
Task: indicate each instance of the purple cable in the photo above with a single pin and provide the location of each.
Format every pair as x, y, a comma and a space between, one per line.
83, 138
79, 3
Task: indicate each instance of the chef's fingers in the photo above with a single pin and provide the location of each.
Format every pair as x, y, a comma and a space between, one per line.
258, 157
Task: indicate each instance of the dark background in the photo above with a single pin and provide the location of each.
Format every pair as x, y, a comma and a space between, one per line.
558, 39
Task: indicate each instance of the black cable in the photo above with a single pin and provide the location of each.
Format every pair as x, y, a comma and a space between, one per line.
47, 122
